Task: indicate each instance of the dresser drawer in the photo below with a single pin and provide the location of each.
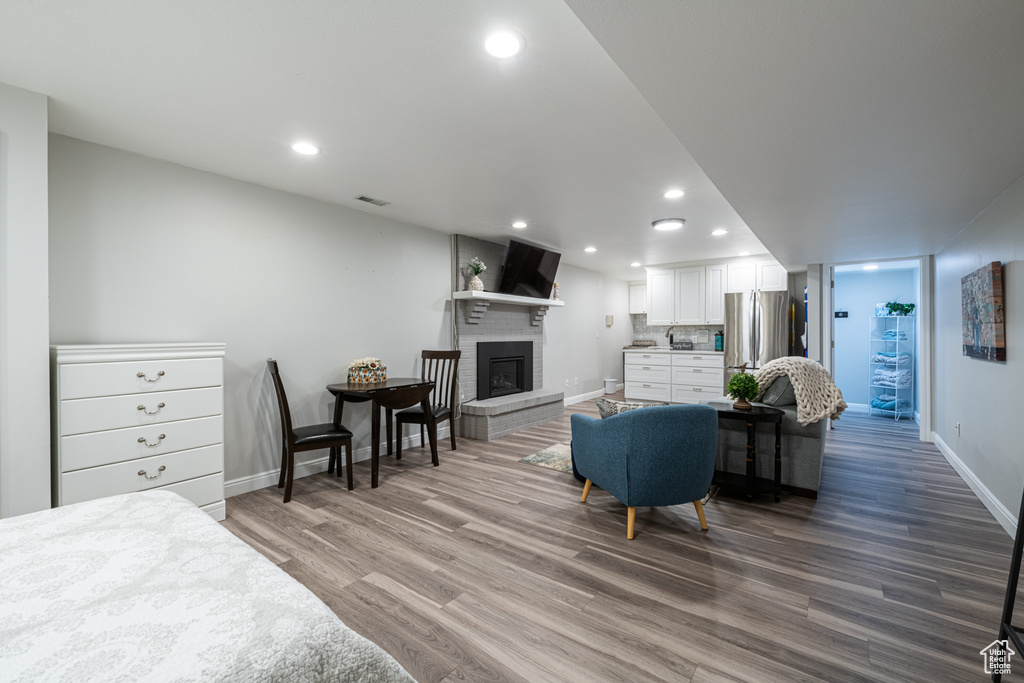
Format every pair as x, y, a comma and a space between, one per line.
640, 358
124, 477
115, 412
117, 445
698, 360
705, 377
84, 380
201, 491
694, 394
648, 373
649, 392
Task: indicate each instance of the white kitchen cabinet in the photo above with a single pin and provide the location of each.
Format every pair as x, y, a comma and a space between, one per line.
771, 276
714, 295
637, 299
684, 296
741, 277
134, 417
673, 376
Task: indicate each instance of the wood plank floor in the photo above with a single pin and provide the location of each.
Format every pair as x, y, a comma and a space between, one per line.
488, 569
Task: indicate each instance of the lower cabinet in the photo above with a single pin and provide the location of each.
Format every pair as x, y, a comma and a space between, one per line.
674, 377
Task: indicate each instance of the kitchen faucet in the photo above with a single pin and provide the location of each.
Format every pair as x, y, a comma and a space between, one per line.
668, 333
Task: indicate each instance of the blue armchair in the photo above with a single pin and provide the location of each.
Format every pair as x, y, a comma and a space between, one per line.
663, 455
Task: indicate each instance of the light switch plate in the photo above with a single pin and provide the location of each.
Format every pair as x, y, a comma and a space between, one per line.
608, 320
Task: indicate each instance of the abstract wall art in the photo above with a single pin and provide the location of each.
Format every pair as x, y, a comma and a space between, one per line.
981, 302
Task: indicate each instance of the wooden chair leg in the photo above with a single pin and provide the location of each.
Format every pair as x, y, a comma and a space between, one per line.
284, 466
700, 513
586, 491
631, 521
423, 437
291, 475
348, 462
451, 430
330, 460
398, 446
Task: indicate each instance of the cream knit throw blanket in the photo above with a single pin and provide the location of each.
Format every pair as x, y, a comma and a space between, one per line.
817, 396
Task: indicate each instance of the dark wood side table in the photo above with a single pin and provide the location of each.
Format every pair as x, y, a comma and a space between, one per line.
752, 417
358, 393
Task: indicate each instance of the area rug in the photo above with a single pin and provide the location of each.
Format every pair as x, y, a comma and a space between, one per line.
556, 457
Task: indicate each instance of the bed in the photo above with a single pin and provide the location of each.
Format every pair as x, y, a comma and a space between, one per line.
146, 587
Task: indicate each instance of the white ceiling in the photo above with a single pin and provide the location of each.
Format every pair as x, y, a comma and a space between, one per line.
838, 130
403, 100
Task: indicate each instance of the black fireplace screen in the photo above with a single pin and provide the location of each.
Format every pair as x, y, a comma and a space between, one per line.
503, 368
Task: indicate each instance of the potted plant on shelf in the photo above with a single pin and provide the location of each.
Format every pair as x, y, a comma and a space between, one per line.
894, 307
475, 266
742, 387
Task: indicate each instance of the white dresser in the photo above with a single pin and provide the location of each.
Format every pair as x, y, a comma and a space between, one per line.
673, 376
132, 417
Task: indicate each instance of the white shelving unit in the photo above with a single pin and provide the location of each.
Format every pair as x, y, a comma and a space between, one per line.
891, 365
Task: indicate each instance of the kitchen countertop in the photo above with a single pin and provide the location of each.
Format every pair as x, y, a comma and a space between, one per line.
669, 349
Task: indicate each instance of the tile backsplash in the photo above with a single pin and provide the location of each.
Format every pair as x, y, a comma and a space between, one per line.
680, 332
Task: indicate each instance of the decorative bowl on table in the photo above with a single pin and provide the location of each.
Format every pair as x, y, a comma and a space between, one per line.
367, 371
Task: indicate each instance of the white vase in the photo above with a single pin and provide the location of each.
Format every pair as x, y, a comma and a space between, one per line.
476, 284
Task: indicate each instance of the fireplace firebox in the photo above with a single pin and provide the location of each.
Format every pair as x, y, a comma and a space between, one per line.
503, 368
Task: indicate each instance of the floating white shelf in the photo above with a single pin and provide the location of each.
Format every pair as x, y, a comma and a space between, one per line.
480, 301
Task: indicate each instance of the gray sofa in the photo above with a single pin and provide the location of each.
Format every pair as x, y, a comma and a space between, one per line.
803, 447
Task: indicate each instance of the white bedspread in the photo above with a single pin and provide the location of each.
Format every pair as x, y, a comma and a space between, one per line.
146, 587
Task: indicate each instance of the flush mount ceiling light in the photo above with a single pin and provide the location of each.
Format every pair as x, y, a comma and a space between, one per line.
519, 224
636, 264
871, 267
719, 232
504, 44
307, 148
668, 223
590, 250
744, 253
674, 194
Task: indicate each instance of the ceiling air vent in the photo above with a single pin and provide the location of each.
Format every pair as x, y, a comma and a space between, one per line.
371, 200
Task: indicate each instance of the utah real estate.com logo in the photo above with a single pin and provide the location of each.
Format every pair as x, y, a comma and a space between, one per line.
997, 657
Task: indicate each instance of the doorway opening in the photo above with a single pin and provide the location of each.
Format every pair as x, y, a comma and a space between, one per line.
877, 336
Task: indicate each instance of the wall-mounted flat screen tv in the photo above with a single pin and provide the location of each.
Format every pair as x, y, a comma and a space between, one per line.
529, 270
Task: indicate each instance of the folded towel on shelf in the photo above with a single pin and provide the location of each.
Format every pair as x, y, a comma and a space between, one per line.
892, 404
894, 334
897, 379
891, 358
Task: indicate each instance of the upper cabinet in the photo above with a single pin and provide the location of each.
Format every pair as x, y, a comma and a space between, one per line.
637, 299
685, 296
762, 274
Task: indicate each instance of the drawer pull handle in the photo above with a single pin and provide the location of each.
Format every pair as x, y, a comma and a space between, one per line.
646, 355
159, 407
698, 357
697, 389
647, 386
159, 471
142, 375
697, 370
160, 438
646, 368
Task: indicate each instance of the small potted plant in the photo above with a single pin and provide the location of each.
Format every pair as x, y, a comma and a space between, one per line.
475, 266
896, 308
742, 387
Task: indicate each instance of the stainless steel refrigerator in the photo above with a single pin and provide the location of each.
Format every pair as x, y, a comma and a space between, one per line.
756, 326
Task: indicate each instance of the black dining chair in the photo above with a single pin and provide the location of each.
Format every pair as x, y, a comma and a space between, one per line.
311, 438
441, 368
398, 398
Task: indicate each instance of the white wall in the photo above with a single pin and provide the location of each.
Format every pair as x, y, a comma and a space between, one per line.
577, 344
984, 397
24, 358
857, 293
147, 251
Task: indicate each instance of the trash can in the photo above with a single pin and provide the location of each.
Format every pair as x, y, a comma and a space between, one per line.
609, 386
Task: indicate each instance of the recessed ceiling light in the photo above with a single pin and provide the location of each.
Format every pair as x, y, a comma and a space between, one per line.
674, 194
668, 223
590, 250
719, 232
306, 148
871, 267
636, 264
504, 44
519, 224
744, 253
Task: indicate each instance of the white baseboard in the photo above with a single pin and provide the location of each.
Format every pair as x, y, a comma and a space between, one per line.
569, 400
998, 510
857, 407
254, 482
